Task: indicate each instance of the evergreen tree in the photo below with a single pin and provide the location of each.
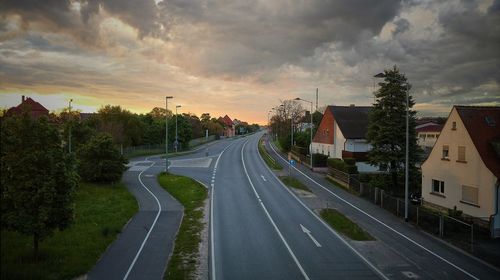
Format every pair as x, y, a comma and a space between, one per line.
37, 178
387, 128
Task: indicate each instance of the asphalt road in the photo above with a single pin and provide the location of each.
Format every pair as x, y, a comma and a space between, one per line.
258, 226
401, 251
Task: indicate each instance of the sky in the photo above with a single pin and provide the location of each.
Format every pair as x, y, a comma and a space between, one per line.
241, 57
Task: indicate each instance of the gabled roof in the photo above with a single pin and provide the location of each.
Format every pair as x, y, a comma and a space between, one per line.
430, 127
352, 120
227, 120
483, 126
36, 109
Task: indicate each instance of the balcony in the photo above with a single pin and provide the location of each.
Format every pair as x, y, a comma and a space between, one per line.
359, 156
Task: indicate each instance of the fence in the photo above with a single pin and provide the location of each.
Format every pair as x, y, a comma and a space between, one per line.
458, 232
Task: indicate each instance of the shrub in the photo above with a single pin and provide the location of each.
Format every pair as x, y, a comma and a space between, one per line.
352, 169
320, 160
100, 161
350, 161
336, 163
285, 143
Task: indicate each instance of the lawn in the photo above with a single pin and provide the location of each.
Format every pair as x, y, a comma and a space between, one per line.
342, 224
294, 183
191, 195
101, 211
267, 157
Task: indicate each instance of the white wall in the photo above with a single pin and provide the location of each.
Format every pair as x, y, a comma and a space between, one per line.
473, 173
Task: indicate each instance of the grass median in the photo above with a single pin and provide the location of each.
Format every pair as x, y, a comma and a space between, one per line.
267, 157
342, 224
191, 195
101, 211
294, 183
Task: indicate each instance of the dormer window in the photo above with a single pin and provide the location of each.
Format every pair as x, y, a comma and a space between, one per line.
454, 126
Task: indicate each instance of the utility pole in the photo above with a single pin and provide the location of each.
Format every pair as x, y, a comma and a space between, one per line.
176, 135
166, 132
69, 129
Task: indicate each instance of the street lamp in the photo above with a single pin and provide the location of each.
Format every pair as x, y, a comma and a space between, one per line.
69, 130
176, 139
310, 113
166, 132
382, 75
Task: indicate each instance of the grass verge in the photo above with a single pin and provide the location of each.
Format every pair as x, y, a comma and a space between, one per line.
342, 224
191, 195
101, 211
267, 157
294, 183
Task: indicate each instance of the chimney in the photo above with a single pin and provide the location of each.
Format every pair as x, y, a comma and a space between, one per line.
23, 99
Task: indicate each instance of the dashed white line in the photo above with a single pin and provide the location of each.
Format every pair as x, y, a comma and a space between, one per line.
270, 218
263, 178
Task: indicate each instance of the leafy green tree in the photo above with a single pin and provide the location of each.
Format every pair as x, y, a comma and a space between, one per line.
38, 178
183, 130
100, 161
387, 128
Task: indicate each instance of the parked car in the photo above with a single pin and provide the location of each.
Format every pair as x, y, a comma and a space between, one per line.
416, 198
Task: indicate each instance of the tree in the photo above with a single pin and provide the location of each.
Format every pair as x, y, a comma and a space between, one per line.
387, 128
37, 178
100, 161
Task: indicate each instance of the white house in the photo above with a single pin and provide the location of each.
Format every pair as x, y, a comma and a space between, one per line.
463, 168
341, 134
427, 134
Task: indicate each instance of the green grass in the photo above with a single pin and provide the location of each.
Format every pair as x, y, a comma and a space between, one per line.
101, 211
278, 145
342, 224
267, 157
294, 183
139, 153
191, 195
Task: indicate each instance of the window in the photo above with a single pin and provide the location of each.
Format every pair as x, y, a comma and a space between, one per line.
437, 186
461, 153
446, 152
454, 126
470, 195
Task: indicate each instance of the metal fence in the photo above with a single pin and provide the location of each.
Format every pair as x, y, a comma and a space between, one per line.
458, 232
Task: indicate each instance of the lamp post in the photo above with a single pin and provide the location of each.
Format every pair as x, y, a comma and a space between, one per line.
69, 129
166, 132
383, 75
310, 113
176, 135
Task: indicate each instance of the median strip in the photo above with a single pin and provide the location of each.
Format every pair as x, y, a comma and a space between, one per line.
191, 195
267, 157
344, 225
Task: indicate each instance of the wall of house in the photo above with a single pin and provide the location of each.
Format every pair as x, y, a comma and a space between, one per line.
357, 145
454, 174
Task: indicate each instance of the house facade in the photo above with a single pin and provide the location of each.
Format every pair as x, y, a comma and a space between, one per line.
427, 134
228, 126
463, 168
341, 134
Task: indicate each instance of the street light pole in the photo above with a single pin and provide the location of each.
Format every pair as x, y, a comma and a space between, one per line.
166, 132
176, 135
311, 136
407, 148
69, 130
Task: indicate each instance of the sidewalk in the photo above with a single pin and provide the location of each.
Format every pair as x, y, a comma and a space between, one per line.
401, 248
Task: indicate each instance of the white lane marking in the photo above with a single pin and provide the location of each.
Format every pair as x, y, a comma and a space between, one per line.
308, 232
263, 178
270, 218
373, 267
150, 228
380, 222
212, 247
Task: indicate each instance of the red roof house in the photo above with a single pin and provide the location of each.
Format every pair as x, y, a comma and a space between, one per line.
228, 126
36, 109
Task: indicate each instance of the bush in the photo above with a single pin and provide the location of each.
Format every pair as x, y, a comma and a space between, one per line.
100, 161
336, 163
319, 160
350, 161
299, 150
285, 143
343, 165
352, 169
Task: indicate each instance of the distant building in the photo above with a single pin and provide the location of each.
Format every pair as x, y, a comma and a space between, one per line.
463, 168
35, 109
341, 134
228, 126
427, 134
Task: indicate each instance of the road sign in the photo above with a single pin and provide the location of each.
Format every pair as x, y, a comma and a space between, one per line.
292, 162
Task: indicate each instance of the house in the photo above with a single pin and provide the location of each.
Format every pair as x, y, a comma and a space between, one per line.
341, 134
228, 126
463, 168
427, 134
35, 109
